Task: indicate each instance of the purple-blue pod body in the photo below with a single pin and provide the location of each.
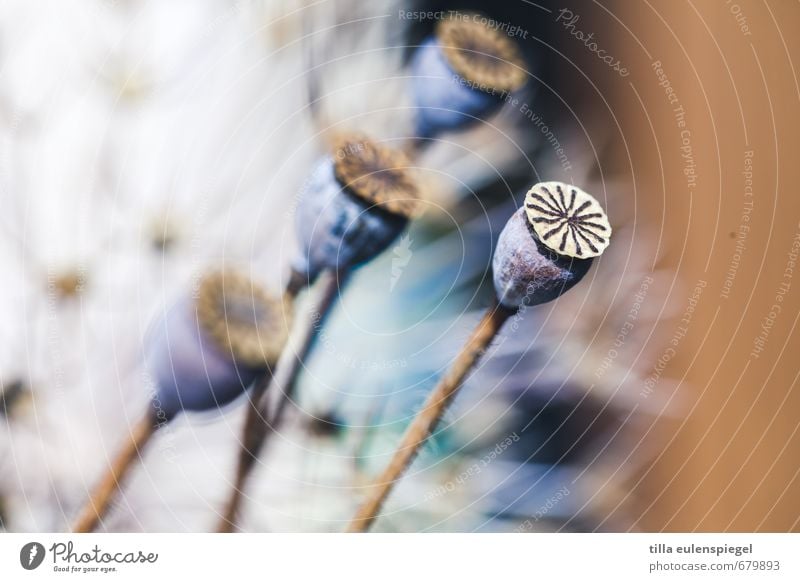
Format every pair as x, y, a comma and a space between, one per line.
207, 350
547, 246
463, 73
445, 101
337, 230
526, 272
190, 372
355, 204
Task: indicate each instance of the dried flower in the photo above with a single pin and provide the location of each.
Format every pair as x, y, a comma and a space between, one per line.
568, 220
548, 246
481, 54
356, 203
207, 350
203, 354
463, 72
525, 271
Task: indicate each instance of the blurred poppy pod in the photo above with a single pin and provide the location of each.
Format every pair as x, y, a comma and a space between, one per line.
209, 348
548, 246
544, 249
463, 72
202, 354
356, 203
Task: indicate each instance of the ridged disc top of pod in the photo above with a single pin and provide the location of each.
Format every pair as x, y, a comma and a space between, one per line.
567, 220
378, 174
481, 54
242, 318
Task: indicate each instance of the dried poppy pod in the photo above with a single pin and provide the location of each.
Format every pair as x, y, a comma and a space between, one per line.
208, 349
548, 245
355, 204
544, 249
205, 352
463, 72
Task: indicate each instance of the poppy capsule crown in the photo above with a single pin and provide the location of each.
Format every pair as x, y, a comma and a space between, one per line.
356, 203
208, 349
463, 72
548, 245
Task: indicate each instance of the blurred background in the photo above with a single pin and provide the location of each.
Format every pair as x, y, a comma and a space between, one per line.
145, 142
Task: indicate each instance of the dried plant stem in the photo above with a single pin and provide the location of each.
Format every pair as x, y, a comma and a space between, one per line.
428, 418
94, 510
331, 287
255, 426
258, 422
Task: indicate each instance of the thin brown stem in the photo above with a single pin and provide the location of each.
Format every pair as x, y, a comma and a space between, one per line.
96, 507
258, 422
428, 418
331, 285
255, 426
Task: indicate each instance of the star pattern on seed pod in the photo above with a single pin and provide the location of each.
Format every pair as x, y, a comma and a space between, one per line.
567, 220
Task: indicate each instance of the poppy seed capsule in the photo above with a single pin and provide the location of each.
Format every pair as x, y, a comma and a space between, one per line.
355, 204
209, 348
548, 245
463, 72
